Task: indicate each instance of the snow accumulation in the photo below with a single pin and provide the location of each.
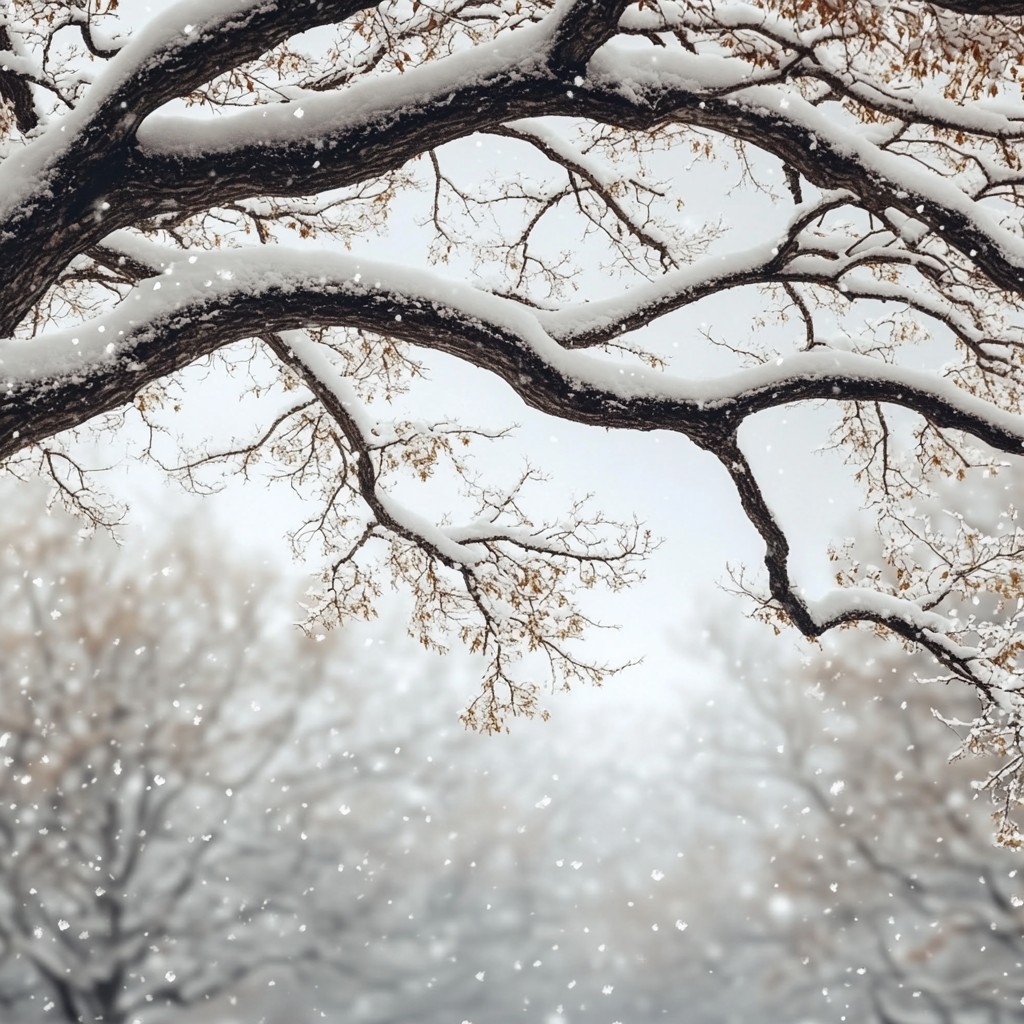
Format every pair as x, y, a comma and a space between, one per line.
639, 76
601, 313
636, 74
886, 606
24, 172
373, 102
197, 284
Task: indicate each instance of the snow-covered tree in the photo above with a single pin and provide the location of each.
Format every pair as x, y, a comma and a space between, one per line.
161, 832
204, 180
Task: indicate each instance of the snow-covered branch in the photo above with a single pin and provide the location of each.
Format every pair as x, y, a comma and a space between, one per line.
170, 192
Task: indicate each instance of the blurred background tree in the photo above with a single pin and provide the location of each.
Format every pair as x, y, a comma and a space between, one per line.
868, 886
202, 817
158, 843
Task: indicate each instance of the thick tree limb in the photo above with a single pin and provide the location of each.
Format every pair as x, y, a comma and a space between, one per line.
584, 27
99, 180
56, 382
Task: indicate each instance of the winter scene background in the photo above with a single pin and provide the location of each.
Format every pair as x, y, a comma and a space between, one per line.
509, 511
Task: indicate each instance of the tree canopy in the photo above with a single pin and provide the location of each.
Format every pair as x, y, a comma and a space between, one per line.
204, 183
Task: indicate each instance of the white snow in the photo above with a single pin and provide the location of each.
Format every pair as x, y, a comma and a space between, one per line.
373, 102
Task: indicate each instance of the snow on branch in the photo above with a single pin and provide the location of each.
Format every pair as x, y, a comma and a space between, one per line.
205, 301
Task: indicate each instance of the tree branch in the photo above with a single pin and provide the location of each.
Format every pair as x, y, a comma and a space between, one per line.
17, 92
583, 28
